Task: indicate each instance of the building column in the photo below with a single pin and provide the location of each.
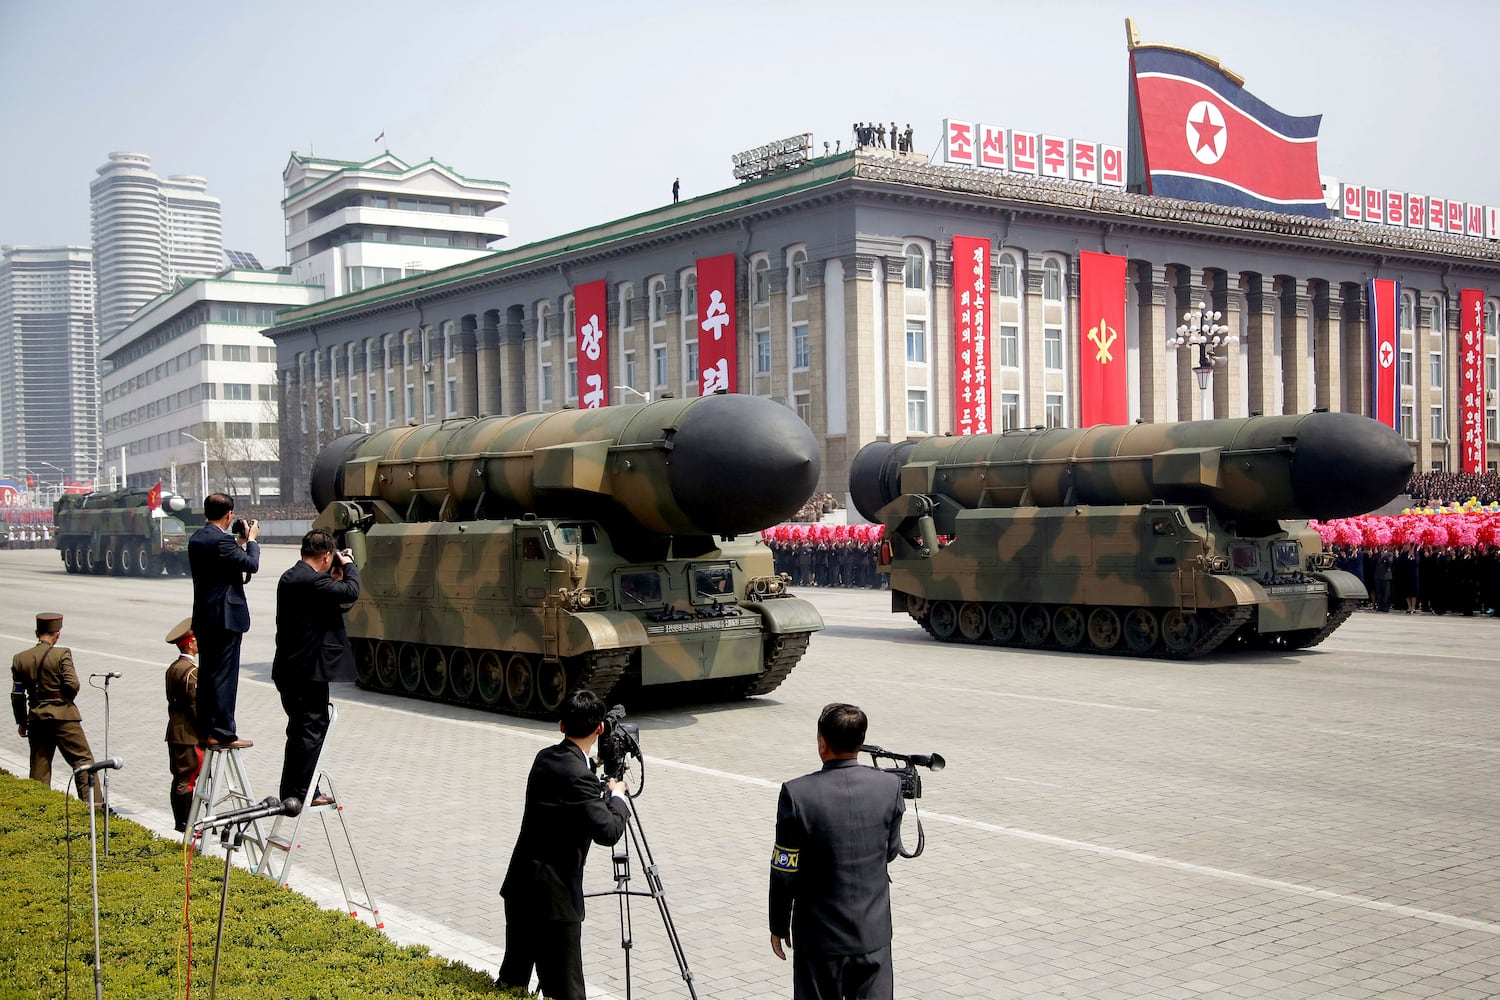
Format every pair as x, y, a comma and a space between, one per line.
1231, 401
943, 405
467, 355
514, 384
1260, 335
1151, 320
1328, 320
1354, 353
486, 363
1296, 310
895, 345
1033, 348
781, 349
866, 362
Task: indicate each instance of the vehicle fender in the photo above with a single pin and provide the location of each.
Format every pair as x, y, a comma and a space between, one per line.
1342, 585
586, 630
1223, 590
786, 614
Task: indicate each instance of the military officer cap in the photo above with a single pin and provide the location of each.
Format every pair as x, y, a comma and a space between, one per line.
182, 633
48, 622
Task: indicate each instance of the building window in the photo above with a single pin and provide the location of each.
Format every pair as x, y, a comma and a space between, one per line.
799, 273
266, 393
690, 294
1051, 281
1054, 409
411, 402
543, 322
1435, 369
237, 390
1407, 323
1439, 432
629, 368
390, 405
546, 382
1008, 284
570, 375
430, 398
760, 282
1408, 374
452, 398
236, 352
916, 411
1010, 410
802, 401
370, 406
658, 300
1439, 315
570, 318
627, 306
1408, 422
762, 352
801, 349
1010, 346
238, 431
915, 270
916, 341
269, 432
659, 365
1052, 348
693, 377
338, 414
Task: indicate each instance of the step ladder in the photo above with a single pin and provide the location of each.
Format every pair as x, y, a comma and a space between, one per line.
285, 839
222, 785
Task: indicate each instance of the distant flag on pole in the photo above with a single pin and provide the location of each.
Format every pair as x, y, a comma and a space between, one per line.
380, 136
1197, 134
153, 496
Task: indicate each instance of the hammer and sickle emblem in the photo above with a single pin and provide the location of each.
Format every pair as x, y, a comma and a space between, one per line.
1103, 338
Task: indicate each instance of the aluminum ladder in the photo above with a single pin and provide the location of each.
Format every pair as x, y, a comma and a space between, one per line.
224, 784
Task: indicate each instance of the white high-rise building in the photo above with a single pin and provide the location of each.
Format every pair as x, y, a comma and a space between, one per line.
49, 364
353, 225
148, 233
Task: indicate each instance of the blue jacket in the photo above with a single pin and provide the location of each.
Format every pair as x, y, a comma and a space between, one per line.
220, 568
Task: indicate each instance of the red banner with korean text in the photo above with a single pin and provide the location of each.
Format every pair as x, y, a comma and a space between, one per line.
1471, 379
1102, 384
591, 322
971, 335
716, 325
1385, 297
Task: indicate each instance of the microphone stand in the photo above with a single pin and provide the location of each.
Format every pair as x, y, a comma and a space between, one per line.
94, 880
231, 837
105, 689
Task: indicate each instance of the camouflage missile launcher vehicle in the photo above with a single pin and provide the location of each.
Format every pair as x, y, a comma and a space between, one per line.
506, 561
1151, 540
119, 533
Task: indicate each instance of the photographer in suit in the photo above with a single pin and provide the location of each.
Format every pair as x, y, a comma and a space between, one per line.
221, 561
312, 649
836, 831
543, 887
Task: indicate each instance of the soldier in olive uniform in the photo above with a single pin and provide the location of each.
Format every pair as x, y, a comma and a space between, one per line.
41, 697
183, 754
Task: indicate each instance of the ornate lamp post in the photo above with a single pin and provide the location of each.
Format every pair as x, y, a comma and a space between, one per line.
1202, 329
645, 396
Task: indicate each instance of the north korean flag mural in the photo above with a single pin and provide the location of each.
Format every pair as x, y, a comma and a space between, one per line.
1385, 390
591, 321
1197, 134
1102, 390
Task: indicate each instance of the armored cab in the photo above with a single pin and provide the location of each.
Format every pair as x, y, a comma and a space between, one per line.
122, 534
1150, 540
506, 561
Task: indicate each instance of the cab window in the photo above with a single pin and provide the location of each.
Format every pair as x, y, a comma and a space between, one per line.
640, 590
713, 582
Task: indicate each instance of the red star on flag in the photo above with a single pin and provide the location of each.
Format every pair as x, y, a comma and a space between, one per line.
1208, 133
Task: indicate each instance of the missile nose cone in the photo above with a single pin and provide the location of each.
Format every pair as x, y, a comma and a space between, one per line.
1345, 465
739, 465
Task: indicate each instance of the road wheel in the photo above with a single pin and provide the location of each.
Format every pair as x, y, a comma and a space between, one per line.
1141, 631
434, 671
551, 686
520, 682
971, 621
1036, 625
1068, 626
95, 563
140, 559
490, 679
67, 558
364, 661
1104, 628
943, 617
112, 560
461, 675
1001, 622
409, 666
1180, 630
385, 666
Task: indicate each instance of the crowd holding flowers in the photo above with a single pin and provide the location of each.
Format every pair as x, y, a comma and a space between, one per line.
827, 555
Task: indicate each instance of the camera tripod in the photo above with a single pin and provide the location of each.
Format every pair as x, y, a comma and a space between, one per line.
636, 834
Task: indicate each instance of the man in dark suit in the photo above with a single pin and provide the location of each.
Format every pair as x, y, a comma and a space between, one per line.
312, 649
836, 831
43, 686
543, 887
221, 563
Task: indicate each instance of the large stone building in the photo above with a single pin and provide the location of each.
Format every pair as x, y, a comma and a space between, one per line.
49, 364
149, 233
845, 311
190, 395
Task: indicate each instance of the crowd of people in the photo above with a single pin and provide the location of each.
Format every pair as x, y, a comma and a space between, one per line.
827, 555
1443, 560
874, 134
1435, 489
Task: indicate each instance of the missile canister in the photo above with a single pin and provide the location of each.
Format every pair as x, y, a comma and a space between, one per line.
121, 534
1153, 539
509, 560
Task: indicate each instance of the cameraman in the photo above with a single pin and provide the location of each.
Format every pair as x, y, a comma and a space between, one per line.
543, 887
836, 831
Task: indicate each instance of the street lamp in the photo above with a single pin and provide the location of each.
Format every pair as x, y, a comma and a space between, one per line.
1202, 329
62, 479
364, 427
203, 469
631, 389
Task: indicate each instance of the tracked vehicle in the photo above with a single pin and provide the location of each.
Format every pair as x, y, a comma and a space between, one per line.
506, 561
1151, 540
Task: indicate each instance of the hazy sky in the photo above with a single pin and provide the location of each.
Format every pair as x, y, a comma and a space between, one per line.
589, 109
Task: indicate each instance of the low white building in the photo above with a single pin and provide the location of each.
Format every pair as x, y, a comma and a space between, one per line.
190, 388
351, 226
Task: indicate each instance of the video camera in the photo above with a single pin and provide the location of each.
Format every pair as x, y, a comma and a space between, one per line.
619, 741
905, 767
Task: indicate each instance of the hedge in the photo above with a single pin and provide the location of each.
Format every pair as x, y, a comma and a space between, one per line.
277, 944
